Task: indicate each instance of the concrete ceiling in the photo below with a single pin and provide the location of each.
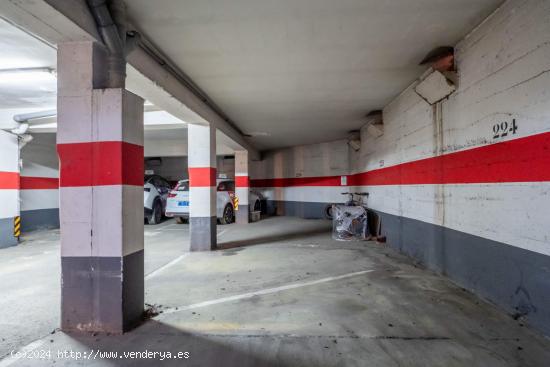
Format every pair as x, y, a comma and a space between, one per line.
29, 92
24, 94
301, 71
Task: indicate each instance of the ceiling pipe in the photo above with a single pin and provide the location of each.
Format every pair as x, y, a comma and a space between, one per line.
109, 31
110, 18
26, 117
28, 70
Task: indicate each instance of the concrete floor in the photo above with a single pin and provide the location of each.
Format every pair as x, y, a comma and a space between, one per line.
281, 293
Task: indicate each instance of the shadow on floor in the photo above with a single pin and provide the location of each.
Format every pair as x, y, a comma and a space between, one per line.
154, 336
259, 240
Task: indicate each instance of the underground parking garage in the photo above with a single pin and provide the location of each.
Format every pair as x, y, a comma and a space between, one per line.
321, 187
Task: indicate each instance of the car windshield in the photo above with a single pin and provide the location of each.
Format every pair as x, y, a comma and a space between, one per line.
146, 178
182, 186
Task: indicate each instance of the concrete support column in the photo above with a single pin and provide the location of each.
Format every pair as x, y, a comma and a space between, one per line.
202, 187
100, 147
9, 188
242, 184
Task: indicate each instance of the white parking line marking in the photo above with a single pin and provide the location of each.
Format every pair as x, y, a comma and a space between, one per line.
151, 234
261, 292
12, 357
165, 266
162, 227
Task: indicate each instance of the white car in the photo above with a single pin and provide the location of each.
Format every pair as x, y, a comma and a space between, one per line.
155, 193
177, 204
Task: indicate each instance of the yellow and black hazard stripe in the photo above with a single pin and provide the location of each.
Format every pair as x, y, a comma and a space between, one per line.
17, 226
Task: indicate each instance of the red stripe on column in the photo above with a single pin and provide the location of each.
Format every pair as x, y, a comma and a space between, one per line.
242, 181
100, 163
39, 183
202, 176
9, 180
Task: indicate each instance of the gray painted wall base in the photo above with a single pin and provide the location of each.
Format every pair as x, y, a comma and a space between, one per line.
32, 220
202, 233
242, 215
102, 293
6, 233
300, 209
516, 279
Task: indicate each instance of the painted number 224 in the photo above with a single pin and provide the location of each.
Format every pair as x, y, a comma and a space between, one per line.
502, 129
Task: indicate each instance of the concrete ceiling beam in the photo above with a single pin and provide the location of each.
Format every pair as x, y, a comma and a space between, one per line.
57, 21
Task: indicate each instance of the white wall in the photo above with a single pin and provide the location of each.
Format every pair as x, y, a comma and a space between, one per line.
325, 159
165, 147
39, 183
9, 169
503, 75
465, 203
9, 187
171, 168
488, 230
301, 163
225, 165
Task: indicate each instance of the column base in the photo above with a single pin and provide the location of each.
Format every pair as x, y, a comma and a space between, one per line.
102, 294
242, 215
7, 238
203, 233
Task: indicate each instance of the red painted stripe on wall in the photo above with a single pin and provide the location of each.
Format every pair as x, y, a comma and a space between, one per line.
297, 181
100, 163
202, 176
9, 180
39, 183
520, 160
242, 181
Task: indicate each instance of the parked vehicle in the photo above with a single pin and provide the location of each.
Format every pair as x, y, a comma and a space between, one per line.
155, 193
178, 201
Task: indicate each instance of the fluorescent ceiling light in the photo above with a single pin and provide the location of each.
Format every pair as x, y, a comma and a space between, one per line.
26, 76
14, 62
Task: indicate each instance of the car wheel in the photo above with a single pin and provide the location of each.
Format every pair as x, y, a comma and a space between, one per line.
180, 220
328, 212
227, 216
257, 206
156, 216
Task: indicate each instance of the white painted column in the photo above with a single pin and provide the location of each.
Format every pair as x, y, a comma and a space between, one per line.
202, 187
100, 147
9, 188
242, 186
